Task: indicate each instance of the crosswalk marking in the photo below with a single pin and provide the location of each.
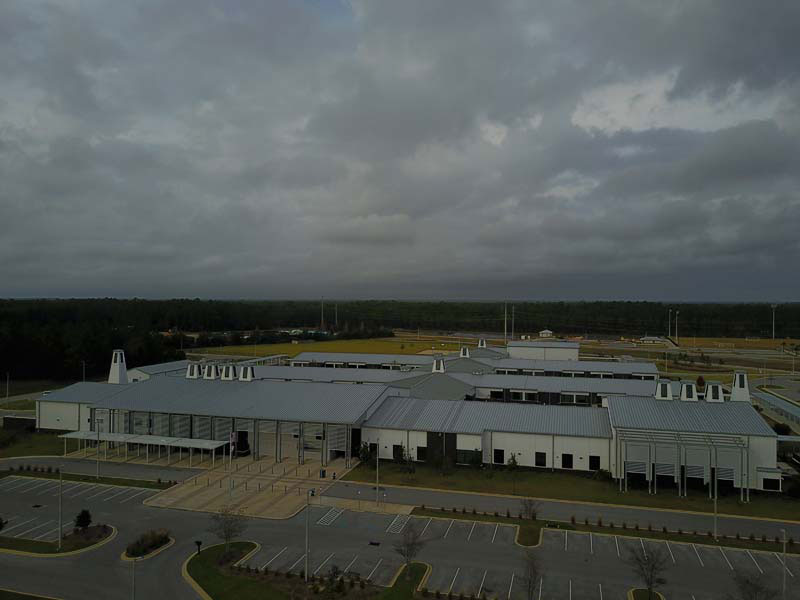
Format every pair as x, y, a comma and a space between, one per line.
330, 516
397, 525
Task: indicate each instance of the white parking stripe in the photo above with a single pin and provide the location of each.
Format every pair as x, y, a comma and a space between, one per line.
5, 531
371, 573
510, 585
600, 585
565, 540
780, 560
123, 491
471, 530
541, 581
452, 583
322, 564
54, 488
591, 544
34, 528
448, 529
355, 558
755, 562
21, 482
494, 535
9, 481
103, 490
698, 555
424, 529
672, 556
52, 531
11, 518
726, 558
644, 552
616, 541
133, 496
83, 490
480, 588
271, 560
297, 562
38, 485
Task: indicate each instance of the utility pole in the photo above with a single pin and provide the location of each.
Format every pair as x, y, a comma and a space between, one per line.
336, 315
8, 381
133, 579
97, 422
308, 510
783, 593
669, 323
83, 364
774, 306
505, 323
677, 312
60, 512
377, 471
322, 315
512, 321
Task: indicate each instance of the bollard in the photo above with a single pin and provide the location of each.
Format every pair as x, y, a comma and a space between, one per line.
259, 486
284, 490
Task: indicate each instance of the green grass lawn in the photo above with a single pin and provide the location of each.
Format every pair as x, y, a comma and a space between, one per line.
211, 576
371, 346
93, 535
25, 404
32, 444
31, 386
404, 587
143, 483
575, 486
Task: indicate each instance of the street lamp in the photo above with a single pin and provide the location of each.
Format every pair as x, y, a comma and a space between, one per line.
309, 493
359, 499
677, 312
60, 512
133, 578
97, 422
783, 593
774, 306
669, 323
377, 470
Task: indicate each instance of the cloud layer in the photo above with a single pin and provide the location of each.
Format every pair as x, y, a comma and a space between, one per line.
462, 149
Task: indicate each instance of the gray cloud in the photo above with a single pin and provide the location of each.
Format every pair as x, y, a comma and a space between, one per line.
400, 149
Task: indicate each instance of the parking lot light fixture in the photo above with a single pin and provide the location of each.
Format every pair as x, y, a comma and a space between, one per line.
60, 511
783, 590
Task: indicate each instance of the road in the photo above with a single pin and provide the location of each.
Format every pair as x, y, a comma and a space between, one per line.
465, 557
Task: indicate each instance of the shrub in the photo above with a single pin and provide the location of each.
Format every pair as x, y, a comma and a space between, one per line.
473, 511
83, 519
352, 583
495, 514
315, 589
438, 594
763, 538
599, 521
636, 527
737, 536
791, 541
422, 507
572, 519
288, 574
777, 540
710, 534
586, 520
149, 541
361, 584
424, 592
680, 531
463, 510
158, 480
624, 525
454, 509
508, 514
649, 527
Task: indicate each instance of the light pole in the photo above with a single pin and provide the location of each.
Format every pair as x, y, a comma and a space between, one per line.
783, 592
308, 510
60, 512
677, 312
358, 492
669, 323
774, 306
83, 365
97, 422
377, 470
133, 578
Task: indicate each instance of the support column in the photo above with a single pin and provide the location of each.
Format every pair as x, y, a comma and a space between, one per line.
348, 445
741, 475
655, 468
678, 467
710, 496
324, 445
300, 444
649, 469
278, 448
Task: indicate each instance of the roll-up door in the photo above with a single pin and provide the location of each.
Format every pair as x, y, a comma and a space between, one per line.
181, 426
266, 438
201, 427
222, 428
141, 423
635, 466
337, 437
312, 436
161, 424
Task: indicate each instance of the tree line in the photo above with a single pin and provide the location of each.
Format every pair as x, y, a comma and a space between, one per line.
54, 338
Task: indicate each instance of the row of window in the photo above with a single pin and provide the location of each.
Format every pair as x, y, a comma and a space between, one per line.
542, 397
530, 372
475, 457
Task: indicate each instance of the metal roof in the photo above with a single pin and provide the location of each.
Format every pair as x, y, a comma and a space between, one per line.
543, 344
361, 357
435, 386
132, 438
647, 413
286, 401
589, 366
628, 387
475, 417
85, 392
176, 365
332, 375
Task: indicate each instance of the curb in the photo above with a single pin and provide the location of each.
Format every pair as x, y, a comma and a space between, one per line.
62, 554
658, 595
424, 580
191, 581
579, 502
156, 552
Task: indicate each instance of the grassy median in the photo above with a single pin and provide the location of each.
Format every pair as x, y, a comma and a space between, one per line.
73, 541
142, 483
23, 443
574, 486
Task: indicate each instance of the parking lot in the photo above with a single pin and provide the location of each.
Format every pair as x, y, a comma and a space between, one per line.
44, 489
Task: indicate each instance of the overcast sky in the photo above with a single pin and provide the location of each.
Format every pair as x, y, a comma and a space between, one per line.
400, 149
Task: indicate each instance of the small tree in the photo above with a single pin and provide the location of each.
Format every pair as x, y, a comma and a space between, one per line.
530, 574
513, 470
530, 508
649, 568
2, 523
227, 524
751, 586
409, 546
364, 453
701, 382
83, 520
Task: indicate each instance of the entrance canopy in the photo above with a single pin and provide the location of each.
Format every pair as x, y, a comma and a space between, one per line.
152, 440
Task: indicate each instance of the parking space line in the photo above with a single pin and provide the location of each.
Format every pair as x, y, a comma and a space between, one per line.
565, 540
5, 531
570, 589
20, 483
347, 568
672, 556
297, 562
11, 518
644, 552
444, 537
452, 583
389, 528
726, 558
83, 490
51, 531
371, 573
46, 523
38, 485
480, 587
591, 543
541, 581
270, 561
103, 490
322, 564
9, 482
471, 530
66, 488
755, 562
494, 535
510, 585
780, 560
616, 541
125, 491
600, 585
133, 496
424, 529
698, 555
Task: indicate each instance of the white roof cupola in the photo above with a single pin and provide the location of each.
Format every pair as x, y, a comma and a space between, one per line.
193, 370
118, 373
464, 352
714, 392
481, 343
663, 390
229, 373
438, 365
740, 390
688, 391
247, 373
210, 372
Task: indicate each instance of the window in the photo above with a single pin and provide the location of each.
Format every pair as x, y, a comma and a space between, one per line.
516, 395
690, 391
499, 456
664, 392
594, 463
773, 485
566, 461
714, 393
530, 397
581, 398
422, 453
469, 457
397, 451
740, 377
496, 394
540, 460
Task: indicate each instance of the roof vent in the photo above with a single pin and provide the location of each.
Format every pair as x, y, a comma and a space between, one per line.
688, 392
663, 390
247, 373
118, 373
210, 372
714, 393
229, 373
192, 371
740, 391
481, 343
464, 352
438, 365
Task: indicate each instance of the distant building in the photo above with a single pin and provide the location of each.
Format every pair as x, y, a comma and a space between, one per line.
545, 333
651, 339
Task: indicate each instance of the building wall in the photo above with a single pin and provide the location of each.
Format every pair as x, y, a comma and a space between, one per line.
543, 353
525, 446
135, 375
66, 416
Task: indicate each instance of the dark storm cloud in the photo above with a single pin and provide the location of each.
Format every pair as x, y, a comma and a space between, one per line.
408, 149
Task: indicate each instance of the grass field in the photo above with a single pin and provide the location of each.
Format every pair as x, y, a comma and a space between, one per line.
372, 346
574, 486
32, 444
30, 386
24, 404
